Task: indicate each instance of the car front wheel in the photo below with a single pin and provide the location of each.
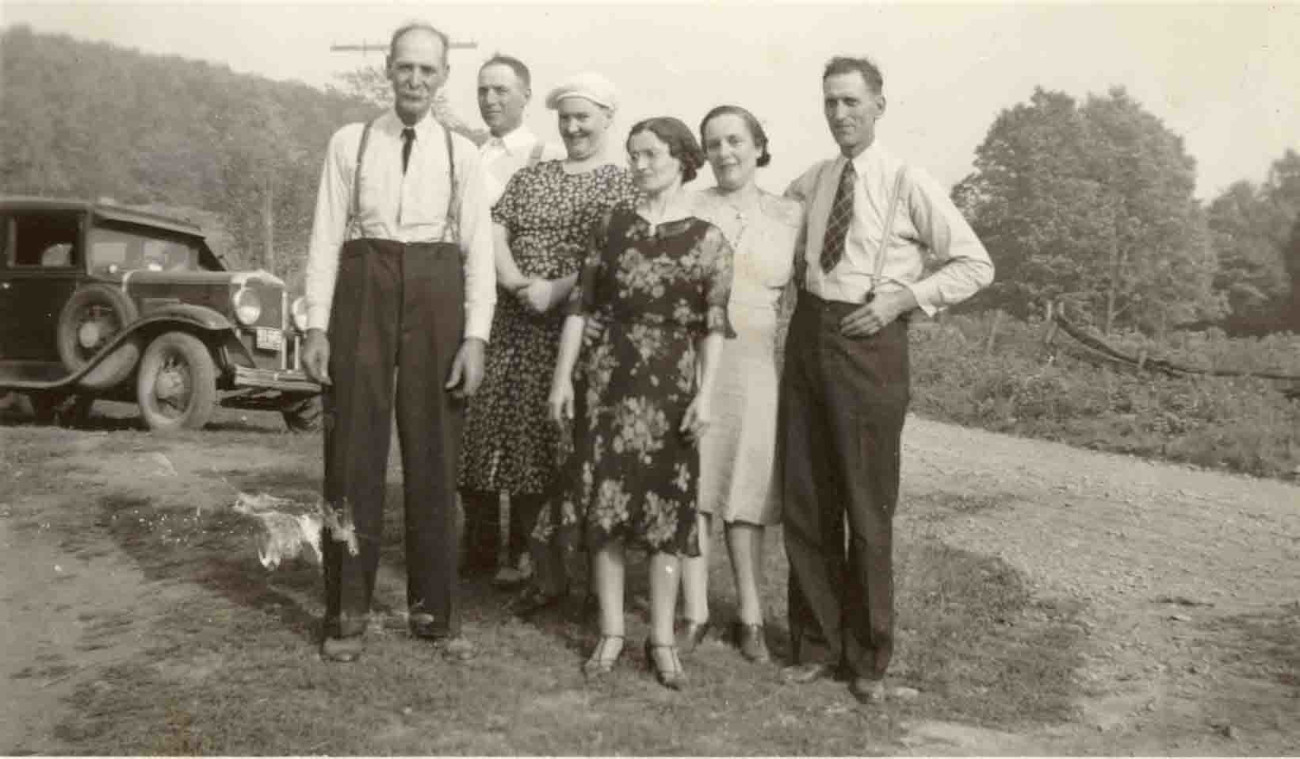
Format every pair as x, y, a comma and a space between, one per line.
177, 383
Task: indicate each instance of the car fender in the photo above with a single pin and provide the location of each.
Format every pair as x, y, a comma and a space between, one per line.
187, 314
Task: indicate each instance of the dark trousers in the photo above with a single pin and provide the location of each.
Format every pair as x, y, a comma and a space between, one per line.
483, 526
843, 401
397, 307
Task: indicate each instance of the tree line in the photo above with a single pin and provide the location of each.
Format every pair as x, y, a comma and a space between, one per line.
1089, 204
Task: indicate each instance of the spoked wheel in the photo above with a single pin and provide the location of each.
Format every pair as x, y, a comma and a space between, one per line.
177, 384
89, 321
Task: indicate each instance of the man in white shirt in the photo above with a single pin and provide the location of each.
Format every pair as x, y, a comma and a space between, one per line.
871, 224
504, 89
400, 277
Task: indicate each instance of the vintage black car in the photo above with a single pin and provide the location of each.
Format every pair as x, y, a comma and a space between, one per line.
100, 301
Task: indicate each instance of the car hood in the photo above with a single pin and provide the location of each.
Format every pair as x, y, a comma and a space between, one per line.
237, 278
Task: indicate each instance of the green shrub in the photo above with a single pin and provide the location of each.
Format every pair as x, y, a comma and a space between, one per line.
1020, 387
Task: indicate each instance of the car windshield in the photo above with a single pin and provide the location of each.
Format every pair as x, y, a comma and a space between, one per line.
114, 249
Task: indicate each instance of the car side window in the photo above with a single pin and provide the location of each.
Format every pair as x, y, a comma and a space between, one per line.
43, 240
114, 248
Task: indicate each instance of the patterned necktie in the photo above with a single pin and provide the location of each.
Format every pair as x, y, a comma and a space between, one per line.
837, 224
408, 137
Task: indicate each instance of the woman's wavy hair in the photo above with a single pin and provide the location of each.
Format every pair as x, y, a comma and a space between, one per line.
677, 136
756, 132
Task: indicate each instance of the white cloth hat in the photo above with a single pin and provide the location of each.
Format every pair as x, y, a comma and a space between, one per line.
589, 85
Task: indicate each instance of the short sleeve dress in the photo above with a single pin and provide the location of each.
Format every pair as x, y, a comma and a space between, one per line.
739, 476
658, 289
509, 443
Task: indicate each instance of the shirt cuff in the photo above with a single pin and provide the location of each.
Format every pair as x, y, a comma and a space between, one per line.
478, 322
318, 317
926, 293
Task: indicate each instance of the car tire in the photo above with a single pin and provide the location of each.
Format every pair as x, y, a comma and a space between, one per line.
303, 415
91, 318
177, 383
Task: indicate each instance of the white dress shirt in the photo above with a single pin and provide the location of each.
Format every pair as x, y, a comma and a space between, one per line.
925, 222
503, 156
410, 207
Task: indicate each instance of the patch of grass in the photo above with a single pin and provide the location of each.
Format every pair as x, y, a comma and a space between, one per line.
234, 670
974, 637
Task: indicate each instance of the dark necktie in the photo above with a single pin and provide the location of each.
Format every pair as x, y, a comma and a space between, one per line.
408, 138
841, 216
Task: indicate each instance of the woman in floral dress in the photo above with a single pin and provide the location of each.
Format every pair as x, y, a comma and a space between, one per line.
658, 278
543, 225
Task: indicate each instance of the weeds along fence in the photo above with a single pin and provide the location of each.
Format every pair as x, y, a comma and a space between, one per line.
1196, 397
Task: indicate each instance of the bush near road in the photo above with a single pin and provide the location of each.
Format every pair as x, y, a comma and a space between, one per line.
1240, 424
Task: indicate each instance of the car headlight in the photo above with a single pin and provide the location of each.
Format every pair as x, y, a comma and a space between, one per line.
247, 306
299, 312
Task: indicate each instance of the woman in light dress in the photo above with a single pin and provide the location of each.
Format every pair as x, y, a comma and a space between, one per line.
739, 472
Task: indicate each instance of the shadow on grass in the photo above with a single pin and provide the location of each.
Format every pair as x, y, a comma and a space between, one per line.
213, 550
231, 674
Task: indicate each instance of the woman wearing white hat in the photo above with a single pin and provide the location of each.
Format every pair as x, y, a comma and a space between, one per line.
542, 226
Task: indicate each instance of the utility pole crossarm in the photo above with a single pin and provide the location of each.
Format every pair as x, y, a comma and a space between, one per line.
382, 47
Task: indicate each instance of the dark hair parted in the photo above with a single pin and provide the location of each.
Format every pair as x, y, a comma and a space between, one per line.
756, 132
677, 136
841, 64
424, 26
514, 64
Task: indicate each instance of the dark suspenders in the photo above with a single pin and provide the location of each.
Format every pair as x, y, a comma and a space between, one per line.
452, 223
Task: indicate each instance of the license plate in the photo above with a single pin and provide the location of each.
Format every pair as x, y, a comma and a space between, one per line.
269, 339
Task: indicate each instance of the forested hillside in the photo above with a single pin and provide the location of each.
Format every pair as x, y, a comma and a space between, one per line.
1086, 203
228, 150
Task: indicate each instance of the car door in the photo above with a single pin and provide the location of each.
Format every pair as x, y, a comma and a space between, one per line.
42, 266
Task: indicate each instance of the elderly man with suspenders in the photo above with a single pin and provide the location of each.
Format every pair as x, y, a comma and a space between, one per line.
871, 222
400, 278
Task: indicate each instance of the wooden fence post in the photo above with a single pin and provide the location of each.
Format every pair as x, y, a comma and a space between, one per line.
993, 332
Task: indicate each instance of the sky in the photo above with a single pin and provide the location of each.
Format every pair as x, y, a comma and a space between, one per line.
1225, 77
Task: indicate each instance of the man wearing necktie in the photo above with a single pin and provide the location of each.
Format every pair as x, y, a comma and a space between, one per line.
871, 223
400, 296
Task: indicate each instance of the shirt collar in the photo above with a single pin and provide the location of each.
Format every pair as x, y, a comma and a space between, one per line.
519, 139
425, 128
872, 156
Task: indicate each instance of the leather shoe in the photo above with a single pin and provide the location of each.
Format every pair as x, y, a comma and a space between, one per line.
533, 600
867, 691
693, 634
801, 674
752, 643
341, 649
424, 625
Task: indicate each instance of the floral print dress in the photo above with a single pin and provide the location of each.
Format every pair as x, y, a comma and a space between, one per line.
509, 443
658, 290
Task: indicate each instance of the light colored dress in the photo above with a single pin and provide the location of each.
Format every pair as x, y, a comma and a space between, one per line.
739, 477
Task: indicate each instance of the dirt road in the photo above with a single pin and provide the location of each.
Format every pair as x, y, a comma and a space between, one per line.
1189, 582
